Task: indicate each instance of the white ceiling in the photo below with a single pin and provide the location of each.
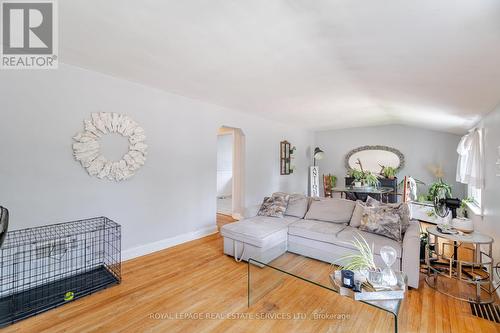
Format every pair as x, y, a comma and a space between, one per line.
319, 64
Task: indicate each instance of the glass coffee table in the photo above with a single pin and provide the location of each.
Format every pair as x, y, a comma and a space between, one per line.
286, 271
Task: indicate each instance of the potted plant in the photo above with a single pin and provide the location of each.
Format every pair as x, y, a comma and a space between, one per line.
371, 179
362, 260
358, 177
462, 211
362, 177
388, 172
424, 240
333, 180
439, 189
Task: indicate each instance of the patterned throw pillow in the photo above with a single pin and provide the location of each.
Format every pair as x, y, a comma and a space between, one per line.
359, 210
386, 220
274, 206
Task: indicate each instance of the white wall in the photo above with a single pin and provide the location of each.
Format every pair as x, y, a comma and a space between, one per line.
421, 148
224, 164
172, 197
490, 222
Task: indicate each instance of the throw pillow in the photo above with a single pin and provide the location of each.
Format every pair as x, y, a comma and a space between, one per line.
331, 210
297, 205
274, 206
386, 220
357, 215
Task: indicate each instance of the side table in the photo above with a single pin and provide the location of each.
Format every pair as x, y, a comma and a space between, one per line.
469, 281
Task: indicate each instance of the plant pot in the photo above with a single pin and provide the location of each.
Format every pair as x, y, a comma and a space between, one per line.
358, 184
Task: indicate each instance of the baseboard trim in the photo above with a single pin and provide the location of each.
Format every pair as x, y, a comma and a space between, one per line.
166, 243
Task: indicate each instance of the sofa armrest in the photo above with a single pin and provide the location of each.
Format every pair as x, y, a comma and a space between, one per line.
411, 254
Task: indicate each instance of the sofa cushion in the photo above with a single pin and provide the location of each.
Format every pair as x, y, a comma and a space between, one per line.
297, 205
346, 236
274, 206
260, 231
331, 210
316, 230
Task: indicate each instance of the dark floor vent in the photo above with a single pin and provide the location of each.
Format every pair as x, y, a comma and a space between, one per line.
486, 311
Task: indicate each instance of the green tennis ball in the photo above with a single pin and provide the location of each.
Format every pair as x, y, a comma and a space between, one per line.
69, 296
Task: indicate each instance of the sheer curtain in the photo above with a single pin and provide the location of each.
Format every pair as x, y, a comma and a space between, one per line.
469, 167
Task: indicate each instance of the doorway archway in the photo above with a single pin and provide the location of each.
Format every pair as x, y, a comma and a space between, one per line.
237, 202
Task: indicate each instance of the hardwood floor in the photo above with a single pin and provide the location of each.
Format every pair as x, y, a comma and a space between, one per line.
191, 287
223, 219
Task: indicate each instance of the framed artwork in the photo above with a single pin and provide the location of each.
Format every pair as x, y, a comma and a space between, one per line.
286, 152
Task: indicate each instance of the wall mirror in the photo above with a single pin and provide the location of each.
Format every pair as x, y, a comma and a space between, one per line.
374, 157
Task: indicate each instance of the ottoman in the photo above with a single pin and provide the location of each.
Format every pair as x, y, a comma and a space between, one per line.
261, 238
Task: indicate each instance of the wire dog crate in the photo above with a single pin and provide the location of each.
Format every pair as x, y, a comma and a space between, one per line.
45, 267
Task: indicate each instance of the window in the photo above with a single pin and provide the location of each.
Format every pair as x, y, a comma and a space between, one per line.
470, 166
475, 194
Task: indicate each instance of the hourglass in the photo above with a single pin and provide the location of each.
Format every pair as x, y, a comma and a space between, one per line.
388, 255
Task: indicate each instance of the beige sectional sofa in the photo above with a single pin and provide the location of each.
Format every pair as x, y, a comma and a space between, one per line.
319, 229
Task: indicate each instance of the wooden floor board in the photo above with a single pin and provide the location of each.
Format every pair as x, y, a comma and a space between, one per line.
162, 292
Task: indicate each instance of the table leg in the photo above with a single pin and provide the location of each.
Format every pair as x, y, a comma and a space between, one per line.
455, 254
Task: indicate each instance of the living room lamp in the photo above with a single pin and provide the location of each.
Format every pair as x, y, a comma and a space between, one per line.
318, 154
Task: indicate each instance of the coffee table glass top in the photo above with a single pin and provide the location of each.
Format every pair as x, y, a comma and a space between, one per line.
264, 278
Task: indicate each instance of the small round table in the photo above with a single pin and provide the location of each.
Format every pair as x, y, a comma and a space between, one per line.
464, 280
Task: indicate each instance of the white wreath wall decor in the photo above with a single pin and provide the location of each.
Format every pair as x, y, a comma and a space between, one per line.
86, 149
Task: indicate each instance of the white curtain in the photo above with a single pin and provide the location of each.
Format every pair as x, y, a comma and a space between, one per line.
469, 167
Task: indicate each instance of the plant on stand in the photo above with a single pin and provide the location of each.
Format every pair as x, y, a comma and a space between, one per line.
362, 177
388, 172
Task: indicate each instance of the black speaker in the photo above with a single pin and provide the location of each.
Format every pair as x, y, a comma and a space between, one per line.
4, 224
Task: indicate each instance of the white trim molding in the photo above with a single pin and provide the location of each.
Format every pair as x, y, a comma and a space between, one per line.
167, 243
